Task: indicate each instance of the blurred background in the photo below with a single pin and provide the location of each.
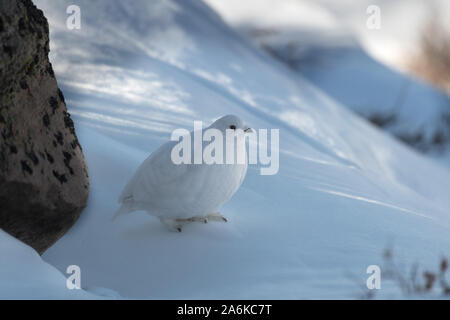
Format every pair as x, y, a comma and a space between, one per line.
385, 60
410, 30
331, 43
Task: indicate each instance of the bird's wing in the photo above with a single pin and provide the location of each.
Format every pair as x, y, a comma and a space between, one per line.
156, 177
244, 173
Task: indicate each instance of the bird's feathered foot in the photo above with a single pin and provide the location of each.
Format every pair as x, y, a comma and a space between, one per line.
199, 219
172, 224
210, 217
177, 224
216, 216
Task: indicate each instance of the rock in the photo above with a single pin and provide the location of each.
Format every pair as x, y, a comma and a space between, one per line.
44, 181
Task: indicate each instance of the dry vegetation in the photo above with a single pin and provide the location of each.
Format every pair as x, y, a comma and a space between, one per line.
432, 62
413, 281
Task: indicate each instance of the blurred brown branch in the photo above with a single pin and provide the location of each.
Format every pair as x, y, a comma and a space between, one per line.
432, 62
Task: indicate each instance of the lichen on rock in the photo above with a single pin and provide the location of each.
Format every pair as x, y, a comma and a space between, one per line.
44, 181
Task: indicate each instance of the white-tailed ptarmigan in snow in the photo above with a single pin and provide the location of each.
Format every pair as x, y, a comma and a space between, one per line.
182, 193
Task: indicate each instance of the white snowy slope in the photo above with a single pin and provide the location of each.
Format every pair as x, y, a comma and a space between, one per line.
406, 107
321, 40
24, 275
345, 190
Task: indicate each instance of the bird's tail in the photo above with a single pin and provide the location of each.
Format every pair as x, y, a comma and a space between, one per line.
124, 209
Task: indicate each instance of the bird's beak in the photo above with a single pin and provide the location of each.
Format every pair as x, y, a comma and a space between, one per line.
248, 130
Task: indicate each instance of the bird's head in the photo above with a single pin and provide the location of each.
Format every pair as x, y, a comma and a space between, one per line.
230, 122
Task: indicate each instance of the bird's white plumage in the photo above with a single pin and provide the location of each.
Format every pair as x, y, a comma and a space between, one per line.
169, 191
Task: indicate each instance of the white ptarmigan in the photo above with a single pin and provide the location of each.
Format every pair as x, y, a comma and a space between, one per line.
182, 193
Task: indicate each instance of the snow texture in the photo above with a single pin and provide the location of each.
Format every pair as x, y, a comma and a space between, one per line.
344, 190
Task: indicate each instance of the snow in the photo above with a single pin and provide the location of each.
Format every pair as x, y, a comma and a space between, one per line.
344, 190
24, 275
331, 53
417, 107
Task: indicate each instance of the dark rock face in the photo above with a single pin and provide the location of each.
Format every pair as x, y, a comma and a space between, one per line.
44, 182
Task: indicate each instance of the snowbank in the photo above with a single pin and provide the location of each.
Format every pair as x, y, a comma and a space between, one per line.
24, 275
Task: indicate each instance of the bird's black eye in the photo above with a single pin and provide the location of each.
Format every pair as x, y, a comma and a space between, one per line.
233, 127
